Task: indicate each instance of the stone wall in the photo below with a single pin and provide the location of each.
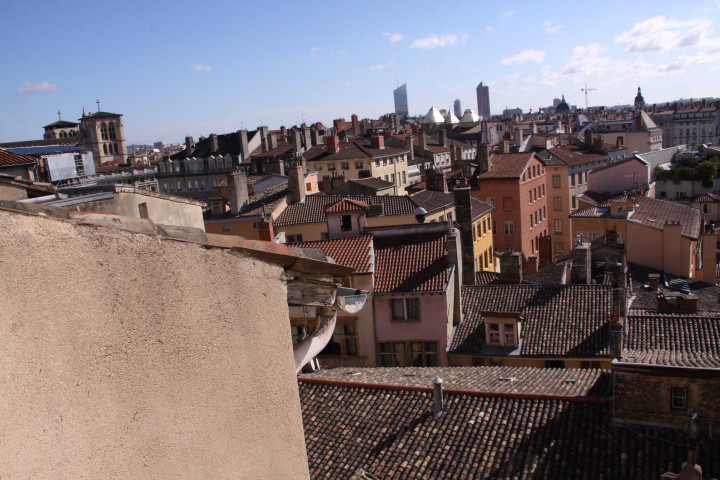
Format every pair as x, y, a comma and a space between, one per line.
133, 356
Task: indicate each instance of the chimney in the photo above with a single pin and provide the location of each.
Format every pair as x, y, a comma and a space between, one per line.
364, 126
296, 184
333, 143
244, 147
316, 137
676, 302
519, 137
378, 142
616, 338
337, 180
438, 404
545, 250
339, 124
306, 138
295, 139
237, 191
443, 137
533, 128
654, 110
272, 141
422, 142
409, 147
582, 266
618, 142
654, 280
283, 130
511, 268
598, 143
588, 138
355, 124
611, 238
463, 214
189, 144
435, 180
485, 156
505, 146
343, 136
638, 122
675, 107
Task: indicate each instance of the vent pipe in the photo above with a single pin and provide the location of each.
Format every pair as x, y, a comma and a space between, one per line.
438, 405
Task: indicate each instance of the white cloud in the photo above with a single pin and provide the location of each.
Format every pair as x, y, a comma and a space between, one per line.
315, 49
435, 41
393, 37
382, 66
511, 78
490, 28
660, 34
349, 84
508, 13
201, 67
548, 27
527, 56
35, 87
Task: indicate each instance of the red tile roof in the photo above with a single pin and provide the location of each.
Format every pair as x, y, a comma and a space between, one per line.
312, 210
9, 158
656, 213
674, 339
508, 165
355, 252
559, 320
346, 205
411, 263
527, 380
390, 432
573, 154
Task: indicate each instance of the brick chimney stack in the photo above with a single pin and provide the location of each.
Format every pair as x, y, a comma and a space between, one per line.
378, 142
355, 124
333, 143
410, 147
443, 137
582, 266
463, 214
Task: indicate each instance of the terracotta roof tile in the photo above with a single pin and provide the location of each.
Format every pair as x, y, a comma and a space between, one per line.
9, 158
656, 213
573, 154
355, 252
391, 433
411, 263
508, 165
674, 339
559, 320
346, 205
541, 381
312, 209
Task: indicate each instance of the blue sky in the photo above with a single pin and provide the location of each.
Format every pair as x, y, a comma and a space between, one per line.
183, 68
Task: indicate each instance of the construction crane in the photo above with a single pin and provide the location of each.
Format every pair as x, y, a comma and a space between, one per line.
586, 90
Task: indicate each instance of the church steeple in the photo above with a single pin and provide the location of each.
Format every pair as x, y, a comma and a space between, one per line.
639, 100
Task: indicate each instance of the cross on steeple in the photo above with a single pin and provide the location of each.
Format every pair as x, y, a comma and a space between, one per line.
59, 118
98, 102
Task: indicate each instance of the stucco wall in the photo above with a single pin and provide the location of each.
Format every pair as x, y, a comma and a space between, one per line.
131, 356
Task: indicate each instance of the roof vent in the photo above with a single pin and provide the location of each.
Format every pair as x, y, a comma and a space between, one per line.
508, 379
571, 380
438, 405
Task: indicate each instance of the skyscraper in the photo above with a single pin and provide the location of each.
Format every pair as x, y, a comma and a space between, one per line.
483, 98
457, 109
401, 102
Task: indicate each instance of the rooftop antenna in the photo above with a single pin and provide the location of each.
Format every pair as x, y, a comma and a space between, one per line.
59, 118
98, 102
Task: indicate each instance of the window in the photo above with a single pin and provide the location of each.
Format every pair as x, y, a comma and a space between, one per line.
343, 341
392, 177
331, 166
358, 165
572, 180
255, 225
544, 214
226, 228
345, 165
318, 167
405, 309
143, 209
345, 223
402, 175
490, 200
543, 189
103, 132
678, 398
293, 238
558, 225
574, 201
530, 196
79, 167
392, 354
501, 334
556, 181
531, 220
509, 227
423, 354
111, 131
179, 185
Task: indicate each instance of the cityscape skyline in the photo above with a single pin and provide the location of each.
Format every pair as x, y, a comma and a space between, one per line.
168, 82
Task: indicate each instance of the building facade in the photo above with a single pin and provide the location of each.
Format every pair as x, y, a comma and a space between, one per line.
401, 100
483, 100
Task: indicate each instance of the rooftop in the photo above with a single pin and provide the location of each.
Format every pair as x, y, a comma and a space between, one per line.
8, 158
656, 213
507, 165
355, 252
312, 210
559, 320
416, 262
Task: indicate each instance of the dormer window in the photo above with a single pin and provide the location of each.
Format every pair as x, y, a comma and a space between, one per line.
345, 223
502, 329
